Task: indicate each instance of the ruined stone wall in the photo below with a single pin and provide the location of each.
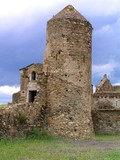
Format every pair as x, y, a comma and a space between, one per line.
63, 85
116, 88
21, 117
113, 98
106, 121
39, 84
106, 93
28, 84
17, 120
16, 97
68, 63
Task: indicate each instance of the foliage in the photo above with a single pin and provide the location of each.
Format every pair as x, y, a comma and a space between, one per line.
38, 134
22, 118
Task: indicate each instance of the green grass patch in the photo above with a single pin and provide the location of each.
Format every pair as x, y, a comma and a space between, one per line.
105, 137
39, 145
2, 105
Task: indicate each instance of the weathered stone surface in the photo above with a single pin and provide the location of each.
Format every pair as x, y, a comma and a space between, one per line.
106, 95
67, 61
16, 97
60, 88
59, 91
106, 108
106, 121
17, 120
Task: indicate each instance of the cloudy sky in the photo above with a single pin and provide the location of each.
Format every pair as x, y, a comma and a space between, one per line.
23, 33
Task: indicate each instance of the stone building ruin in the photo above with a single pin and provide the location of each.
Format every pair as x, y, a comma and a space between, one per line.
57, 95
63, 81
107, 95
106, 107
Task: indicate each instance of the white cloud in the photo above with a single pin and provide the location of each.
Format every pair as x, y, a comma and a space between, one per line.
116, 84
4, 99
94, 88
98, 7
6, 93
100, 70
13, 11
105, 31
8, 90
107, 28
16, 8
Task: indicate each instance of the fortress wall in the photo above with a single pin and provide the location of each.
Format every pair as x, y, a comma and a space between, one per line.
17, 120
106, 121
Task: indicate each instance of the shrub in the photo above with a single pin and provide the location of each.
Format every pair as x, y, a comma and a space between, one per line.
22, 118
38, 134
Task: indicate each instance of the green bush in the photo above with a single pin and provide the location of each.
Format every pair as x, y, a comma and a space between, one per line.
38, 134
22, 118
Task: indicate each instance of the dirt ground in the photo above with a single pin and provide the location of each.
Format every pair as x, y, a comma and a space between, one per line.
86, 145
96, 144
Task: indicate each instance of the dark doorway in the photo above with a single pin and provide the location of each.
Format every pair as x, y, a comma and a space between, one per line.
32, 95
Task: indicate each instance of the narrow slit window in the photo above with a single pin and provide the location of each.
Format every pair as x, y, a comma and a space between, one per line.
33, 75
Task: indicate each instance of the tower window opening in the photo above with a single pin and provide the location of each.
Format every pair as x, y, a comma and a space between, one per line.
33, 75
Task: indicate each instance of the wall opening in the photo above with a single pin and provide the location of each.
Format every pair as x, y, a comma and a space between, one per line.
33, 75
32, 95
70, 118
60, 51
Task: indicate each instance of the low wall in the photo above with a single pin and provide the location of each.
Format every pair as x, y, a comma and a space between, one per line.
17, 120
16, 97
106, 121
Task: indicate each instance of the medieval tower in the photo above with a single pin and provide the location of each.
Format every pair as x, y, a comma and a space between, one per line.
57, 95
67, 63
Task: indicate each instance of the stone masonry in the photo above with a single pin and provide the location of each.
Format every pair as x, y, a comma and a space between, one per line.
67, 61
63, 83
57, 95
106, 121
106, 95
106, 108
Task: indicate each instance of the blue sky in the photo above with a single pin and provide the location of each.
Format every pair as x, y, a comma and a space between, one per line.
23, 37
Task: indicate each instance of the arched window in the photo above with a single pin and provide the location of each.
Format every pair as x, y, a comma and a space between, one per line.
33, 75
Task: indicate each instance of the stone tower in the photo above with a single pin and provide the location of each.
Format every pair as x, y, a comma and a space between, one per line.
67, 63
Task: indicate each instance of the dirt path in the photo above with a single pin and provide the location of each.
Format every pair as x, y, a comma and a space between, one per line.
84, 145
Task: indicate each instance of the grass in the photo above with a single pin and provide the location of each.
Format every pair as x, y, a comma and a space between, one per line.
106, 137
2, 105
40, 146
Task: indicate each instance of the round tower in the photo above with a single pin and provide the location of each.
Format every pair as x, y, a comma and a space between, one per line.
67, 63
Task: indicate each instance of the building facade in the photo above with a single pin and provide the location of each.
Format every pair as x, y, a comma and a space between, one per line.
106, 95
